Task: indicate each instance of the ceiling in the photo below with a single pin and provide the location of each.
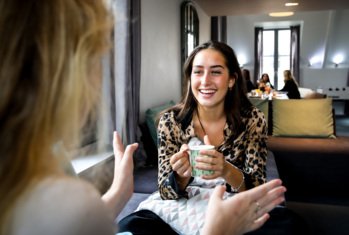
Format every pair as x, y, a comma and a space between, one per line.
252, 7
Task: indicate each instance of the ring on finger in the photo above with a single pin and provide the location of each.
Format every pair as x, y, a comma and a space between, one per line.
258, 207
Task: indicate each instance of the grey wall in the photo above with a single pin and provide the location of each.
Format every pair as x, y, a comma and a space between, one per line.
160, 62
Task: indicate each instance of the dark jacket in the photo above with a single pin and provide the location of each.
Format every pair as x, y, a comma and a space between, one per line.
292, 90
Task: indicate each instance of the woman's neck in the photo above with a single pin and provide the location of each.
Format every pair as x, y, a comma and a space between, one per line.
210, 115
210, 122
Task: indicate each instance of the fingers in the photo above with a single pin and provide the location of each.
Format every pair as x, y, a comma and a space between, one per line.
181, 167
218, 193
260, 221
117, 144
259, 191
210, 160
180, 162
118, 147
130, 149
264, 198
272, 199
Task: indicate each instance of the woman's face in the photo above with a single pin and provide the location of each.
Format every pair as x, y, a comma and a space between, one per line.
265, 78
210, 79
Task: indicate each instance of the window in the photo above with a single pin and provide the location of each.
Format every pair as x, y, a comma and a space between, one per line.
189, 32
276, 54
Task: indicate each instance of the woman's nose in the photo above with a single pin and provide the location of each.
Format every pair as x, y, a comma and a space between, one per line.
205, 77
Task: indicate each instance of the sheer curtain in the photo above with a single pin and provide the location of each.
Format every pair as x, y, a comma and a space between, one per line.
294, 55
121, 85
258, 53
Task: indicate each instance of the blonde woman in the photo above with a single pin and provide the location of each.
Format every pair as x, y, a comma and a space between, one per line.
291, 86
50, 59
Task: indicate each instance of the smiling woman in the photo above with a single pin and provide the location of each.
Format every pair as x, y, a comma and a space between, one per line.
214, 111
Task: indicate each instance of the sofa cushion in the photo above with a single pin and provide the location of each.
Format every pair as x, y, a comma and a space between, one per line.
303, 118
151, 116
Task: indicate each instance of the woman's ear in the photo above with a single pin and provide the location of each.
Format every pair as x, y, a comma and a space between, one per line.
232, 80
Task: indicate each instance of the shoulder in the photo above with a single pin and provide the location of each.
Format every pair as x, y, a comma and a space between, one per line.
255, 117
168, 119
253, 112
62, 205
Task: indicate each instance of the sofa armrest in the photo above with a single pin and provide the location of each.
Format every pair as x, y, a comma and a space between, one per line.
313, 170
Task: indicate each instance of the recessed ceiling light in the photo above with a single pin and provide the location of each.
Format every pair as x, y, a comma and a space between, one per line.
281, 14
291, 4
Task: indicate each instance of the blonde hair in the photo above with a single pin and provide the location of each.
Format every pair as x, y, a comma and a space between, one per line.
288, 75
49, 78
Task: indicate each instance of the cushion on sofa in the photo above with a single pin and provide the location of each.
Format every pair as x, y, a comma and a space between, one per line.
303, 118
151, 116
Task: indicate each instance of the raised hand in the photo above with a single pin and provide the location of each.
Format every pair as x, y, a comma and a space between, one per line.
122, 186
243, 212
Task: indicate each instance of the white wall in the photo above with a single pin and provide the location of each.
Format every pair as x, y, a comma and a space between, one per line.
323, 33
324, 78
160, 63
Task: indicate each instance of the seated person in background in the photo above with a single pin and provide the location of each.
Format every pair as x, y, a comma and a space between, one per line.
249, 84
291, 86
265, 81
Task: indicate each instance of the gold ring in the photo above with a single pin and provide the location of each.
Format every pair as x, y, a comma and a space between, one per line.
258, 207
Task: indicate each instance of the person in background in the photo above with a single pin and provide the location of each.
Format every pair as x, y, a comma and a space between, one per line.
264, 84
50, 79
291, 86
248, 82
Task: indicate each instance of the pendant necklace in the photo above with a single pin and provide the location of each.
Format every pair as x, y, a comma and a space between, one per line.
202, 127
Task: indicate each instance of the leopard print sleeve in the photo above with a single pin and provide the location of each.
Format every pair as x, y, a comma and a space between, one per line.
169, 142
256, 149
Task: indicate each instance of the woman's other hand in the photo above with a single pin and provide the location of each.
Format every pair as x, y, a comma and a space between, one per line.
243, 212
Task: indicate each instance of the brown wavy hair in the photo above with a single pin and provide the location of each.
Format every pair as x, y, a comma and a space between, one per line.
236, 102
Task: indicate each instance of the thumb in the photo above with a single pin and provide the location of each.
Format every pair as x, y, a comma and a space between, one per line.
206, 140
218, 193
130, 149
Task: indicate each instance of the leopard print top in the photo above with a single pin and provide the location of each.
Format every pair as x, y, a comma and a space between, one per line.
248, 151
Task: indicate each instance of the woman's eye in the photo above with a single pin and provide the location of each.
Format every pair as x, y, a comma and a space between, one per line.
197, 72
216, 72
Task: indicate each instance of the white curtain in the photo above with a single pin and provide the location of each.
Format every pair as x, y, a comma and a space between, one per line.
121, 81
126, 69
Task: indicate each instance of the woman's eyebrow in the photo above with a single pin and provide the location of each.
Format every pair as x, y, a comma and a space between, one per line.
217, 66
211, 67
